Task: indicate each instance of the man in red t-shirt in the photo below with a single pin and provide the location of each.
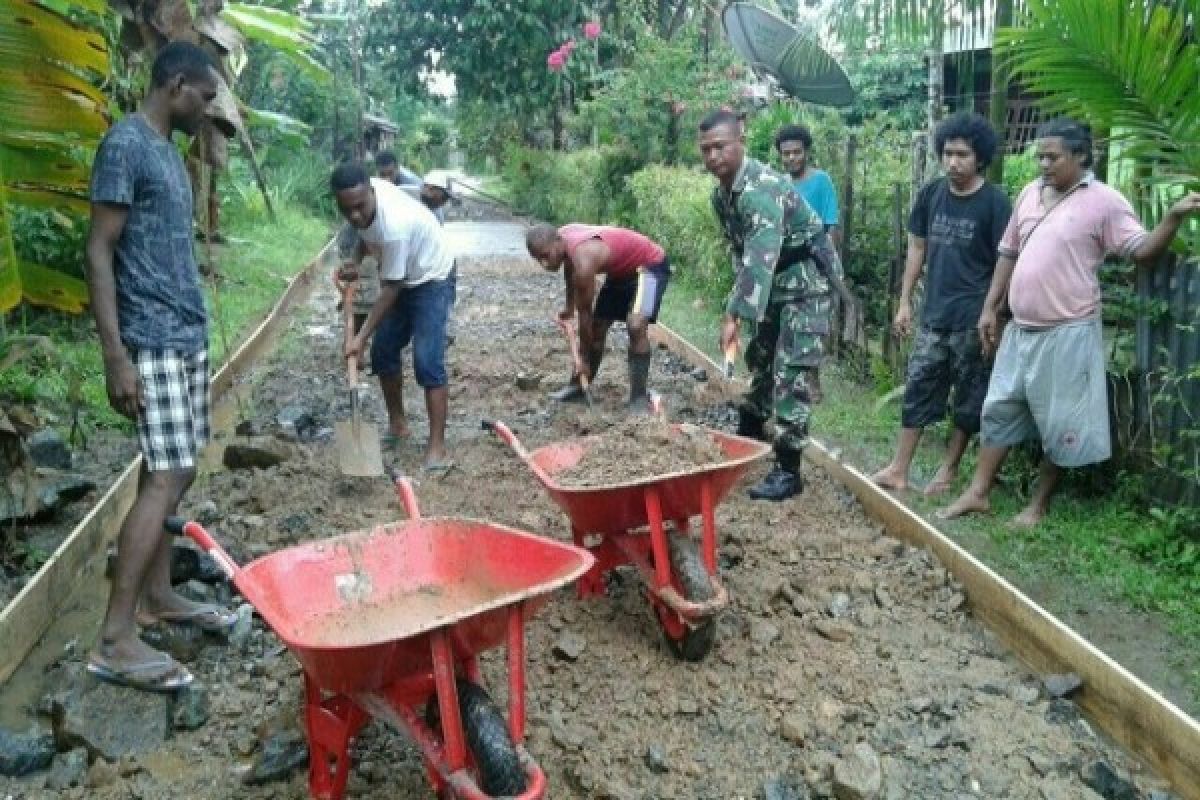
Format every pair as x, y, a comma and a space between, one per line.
636, 275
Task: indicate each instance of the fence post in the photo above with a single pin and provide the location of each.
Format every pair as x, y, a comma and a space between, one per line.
848, 194
888, 340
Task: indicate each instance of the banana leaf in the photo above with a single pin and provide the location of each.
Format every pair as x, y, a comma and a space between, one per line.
287, 33
51, 116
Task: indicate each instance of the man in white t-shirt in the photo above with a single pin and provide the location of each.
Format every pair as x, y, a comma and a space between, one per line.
416, 270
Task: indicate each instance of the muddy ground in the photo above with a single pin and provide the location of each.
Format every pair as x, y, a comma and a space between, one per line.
839, 640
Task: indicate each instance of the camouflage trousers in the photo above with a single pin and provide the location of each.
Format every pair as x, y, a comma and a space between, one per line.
787, 344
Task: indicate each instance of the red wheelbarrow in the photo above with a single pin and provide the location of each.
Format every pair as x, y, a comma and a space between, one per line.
611, 521
389, 623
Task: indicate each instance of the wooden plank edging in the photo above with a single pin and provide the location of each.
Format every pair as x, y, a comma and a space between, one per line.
33, 610
1121, 704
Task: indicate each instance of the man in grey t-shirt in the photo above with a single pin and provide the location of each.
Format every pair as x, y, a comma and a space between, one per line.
153, 329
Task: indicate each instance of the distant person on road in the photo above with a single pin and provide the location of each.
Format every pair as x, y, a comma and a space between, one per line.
795, 145
785, 267
417, 274
636, 273
153, 328
954, 229
434, 192
1048, 381
389, 169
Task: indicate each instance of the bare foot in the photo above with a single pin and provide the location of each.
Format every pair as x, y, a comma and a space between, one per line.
399, 430
1029, 518
969, 502
941, 483
890, 478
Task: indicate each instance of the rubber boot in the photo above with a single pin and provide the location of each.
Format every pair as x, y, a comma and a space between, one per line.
783, 481
573, 392
751, 426
639, 374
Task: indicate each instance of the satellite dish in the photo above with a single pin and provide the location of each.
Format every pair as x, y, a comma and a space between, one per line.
794, 59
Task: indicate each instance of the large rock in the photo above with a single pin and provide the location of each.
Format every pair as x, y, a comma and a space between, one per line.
858, 775
68, 770
281, 753
23, 753
109, 721
46, 448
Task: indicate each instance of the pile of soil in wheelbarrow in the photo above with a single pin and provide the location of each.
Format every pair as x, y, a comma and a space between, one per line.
639, 448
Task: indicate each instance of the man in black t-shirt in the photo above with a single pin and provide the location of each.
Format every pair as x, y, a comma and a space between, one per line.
953, 231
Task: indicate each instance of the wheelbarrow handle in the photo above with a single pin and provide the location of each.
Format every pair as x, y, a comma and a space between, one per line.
507, 436
404, 489
179, 526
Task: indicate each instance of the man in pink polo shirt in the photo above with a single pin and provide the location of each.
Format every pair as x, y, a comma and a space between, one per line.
636, 273
1048, 381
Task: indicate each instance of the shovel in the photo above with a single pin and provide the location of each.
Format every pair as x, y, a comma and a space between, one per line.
358, 449
568, 330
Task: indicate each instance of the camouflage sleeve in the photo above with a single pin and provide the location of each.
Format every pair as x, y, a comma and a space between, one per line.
826, 256
764, 212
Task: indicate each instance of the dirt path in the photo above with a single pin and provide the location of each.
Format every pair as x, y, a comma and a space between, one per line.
837, 636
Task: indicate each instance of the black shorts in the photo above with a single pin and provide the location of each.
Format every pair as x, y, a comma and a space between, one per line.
642, 293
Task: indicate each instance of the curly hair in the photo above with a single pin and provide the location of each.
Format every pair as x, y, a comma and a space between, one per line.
794, 133
973, 129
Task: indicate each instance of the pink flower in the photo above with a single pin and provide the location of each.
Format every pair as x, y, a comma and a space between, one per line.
592, 30
556, 61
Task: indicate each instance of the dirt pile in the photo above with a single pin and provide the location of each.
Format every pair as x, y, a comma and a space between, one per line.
639, 448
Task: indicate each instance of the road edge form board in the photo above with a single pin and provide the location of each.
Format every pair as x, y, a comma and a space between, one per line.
33, 610
1121, 704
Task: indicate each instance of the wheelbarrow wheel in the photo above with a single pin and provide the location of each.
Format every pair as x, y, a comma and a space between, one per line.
486, 731
696, 586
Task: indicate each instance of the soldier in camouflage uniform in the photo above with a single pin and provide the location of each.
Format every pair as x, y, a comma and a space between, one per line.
785, 267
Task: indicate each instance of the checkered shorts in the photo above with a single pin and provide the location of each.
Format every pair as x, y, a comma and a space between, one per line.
175, 423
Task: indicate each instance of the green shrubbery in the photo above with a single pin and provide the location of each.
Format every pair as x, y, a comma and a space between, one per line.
582, 186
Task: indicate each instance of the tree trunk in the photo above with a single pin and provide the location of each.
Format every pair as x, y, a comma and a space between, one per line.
937, 76
998, 96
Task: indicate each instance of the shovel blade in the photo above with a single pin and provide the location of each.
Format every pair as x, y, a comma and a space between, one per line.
358, 449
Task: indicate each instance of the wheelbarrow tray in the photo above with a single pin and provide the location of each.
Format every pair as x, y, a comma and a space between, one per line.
356, 609
620, 507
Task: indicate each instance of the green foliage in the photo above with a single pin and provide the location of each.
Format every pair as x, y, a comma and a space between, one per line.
51, 238
585, 186
652, 105
1020, 169
673, 207
1130, 68
891, 81
495, 49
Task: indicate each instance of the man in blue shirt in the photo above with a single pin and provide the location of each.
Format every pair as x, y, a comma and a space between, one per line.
794, 143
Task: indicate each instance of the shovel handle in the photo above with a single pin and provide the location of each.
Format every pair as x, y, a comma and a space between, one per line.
352, 371
730, 359
568, 329
179, 526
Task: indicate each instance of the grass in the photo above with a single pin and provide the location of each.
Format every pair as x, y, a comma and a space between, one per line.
1100, 541
257, 263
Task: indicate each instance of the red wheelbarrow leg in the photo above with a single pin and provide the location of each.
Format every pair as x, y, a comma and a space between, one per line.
447, 697
331, 722
658, 539
516, 673
708, 542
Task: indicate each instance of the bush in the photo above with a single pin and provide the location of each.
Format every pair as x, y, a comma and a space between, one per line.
584, 186
672, 205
